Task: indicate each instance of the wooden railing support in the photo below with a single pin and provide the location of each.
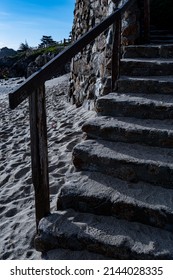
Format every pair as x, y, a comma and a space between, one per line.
116, 51
39, 152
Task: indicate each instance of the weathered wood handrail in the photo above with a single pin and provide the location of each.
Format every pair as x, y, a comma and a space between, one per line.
34, 88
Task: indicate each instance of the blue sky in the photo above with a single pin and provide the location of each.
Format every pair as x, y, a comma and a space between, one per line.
29, 20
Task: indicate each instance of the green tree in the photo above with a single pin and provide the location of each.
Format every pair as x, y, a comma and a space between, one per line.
24, 47
47, 41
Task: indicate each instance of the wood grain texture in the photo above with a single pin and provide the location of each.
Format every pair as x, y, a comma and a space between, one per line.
39, 152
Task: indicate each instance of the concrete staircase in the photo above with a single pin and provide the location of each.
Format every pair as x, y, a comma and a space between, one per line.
161, 36
119, 202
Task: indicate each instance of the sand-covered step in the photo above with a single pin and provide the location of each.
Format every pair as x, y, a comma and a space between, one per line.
104, 195
152, 84
118, 239
131, 130
149, 106
148, 51
146, 67
131, 162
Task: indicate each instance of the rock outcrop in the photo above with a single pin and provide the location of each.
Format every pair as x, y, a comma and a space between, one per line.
23, 64
4, 52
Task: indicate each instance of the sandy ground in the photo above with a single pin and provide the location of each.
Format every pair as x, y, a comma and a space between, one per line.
17, 217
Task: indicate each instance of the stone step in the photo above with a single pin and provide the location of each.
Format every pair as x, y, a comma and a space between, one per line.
131, 162
100, 194
162, 32
161, 37
155, 84
148, 51
144, 106
159, 41
114, 238
146, 67
145, 131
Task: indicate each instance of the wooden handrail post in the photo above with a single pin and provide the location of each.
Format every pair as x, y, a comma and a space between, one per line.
146, 21
116, 52
39, 152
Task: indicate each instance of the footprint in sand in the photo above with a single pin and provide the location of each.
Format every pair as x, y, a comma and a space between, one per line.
71, 144
21, 172
11, 212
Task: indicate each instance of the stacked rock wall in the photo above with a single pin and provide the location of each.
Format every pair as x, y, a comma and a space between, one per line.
91, 69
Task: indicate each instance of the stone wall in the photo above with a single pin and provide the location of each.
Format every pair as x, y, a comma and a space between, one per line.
91, 70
